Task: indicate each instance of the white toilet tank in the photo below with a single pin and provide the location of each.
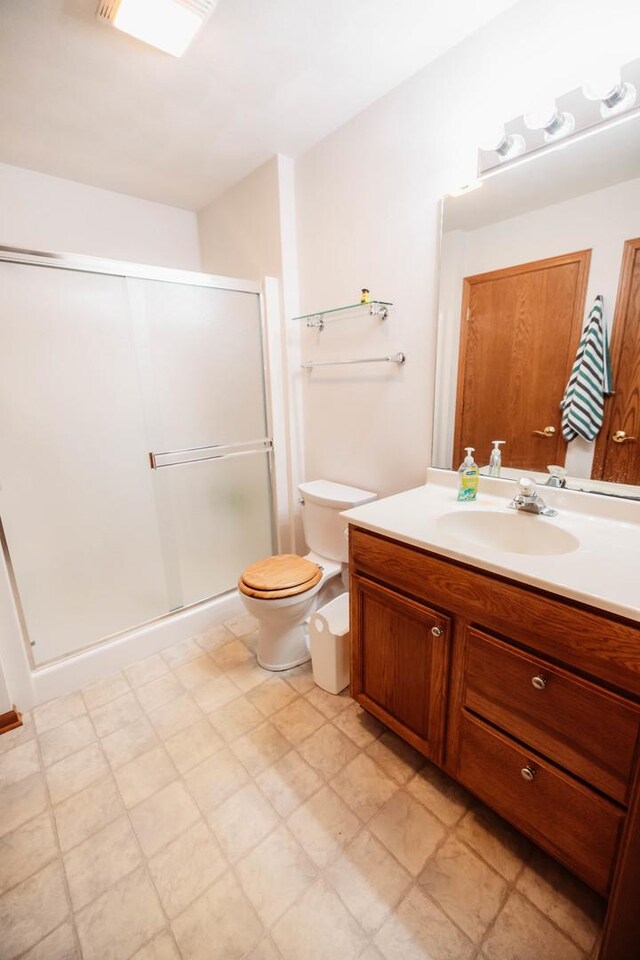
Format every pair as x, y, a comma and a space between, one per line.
324, 528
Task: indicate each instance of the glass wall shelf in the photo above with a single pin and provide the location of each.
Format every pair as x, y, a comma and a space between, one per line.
377, 308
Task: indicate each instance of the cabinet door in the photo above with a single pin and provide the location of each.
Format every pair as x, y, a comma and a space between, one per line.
399, 663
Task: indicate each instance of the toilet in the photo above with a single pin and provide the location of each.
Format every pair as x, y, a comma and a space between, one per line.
282, 592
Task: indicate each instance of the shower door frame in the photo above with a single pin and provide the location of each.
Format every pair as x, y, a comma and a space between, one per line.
127, 270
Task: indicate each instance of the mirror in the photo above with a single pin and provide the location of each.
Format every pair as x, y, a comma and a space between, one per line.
523, 259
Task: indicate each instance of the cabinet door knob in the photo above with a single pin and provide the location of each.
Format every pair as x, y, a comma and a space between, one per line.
437, 631
528, 773
539, 682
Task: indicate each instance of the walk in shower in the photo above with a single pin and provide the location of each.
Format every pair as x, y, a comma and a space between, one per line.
135, 451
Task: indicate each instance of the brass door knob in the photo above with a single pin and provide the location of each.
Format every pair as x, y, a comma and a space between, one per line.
547, 432
620, 437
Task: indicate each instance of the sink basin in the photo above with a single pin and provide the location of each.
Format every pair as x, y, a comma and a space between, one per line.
513, 532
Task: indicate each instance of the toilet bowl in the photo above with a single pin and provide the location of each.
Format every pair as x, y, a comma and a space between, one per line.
282, 592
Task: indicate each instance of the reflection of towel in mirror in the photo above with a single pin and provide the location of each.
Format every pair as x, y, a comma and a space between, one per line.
583, 402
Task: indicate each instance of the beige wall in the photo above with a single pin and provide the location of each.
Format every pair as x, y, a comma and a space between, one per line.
48, 213
240, 230
368, 201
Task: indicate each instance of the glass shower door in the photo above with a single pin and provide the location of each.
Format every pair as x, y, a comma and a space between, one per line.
201, 361
76, 495
134, 447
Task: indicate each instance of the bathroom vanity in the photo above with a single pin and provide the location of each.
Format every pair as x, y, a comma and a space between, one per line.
512, 661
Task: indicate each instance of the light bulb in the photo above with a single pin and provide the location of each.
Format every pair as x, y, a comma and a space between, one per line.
541, 115
493, 137
506, 145
606, 85
513, 146
603, 82
546, 116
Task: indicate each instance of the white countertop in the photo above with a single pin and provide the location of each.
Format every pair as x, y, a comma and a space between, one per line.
603, 571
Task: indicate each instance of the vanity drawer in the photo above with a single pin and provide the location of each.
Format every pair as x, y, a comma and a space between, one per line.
587, 730
576, 825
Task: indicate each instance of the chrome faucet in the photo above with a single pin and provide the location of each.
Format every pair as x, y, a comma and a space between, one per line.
556, 481
558, 476
528, 500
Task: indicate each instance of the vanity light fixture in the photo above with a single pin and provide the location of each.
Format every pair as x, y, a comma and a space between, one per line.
169, 25
609, 98
615, 94
546, 116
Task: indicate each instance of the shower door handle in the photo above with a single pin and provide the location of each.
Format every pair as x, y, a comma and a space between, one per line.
216, 451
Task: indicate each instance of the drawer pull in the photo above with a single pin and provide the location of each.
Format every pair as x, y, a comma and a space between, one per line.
539, 682
528, 773
437, 631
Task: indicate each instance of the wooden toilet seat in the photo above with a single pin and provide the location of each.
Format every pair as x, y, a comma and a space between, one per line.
285, 575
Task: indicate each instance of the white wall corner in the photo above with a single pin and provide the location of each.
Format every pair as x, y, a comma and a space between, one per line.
275, 359
291, 341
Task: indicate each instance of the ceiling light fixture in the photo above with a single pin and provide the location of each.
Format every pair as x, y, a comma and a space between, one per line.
169, 25
546, 116
607, 85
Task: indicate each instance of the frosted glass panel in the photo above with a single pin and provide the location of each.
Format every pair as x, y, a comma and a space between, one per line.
201, 363
96, 372
218, 519
76, 492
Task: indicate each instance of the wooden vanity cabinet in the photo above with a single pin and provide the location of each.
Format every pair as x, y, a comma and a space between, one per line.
530, 701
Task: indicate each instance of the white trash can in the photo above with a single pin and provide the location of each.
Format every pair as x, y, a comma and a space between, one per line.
329, 642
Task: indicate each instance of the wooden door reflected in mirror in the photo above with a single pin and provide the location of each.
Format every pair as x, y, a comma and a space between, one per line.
519, 331
617, 453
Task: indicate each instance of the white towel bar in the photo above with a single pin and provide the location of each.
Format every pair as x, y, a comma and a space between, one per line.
398, 358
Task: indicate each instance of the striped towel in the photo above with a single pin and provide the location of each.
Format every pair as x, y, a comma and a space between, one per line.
583, 402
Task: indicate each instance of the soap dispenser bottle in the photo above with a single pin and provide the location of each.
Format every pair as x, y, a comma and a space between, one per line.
495, 460
468, 477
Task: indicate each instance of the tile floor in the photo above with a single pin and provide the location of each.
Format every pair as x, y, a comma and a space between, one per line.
197, 806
